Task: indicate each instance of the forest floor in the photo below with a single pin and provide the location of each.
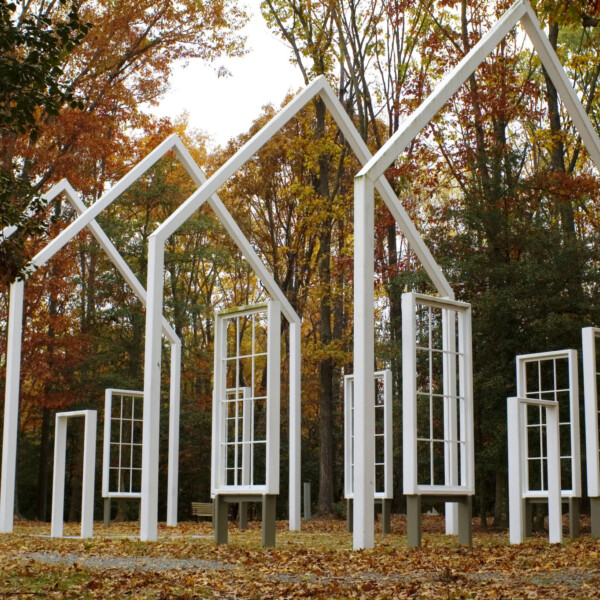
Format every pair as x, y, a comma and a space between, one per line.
317, 562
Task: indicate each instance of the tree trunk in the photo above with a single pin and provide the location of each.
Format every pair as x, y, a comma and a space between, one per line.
326, 482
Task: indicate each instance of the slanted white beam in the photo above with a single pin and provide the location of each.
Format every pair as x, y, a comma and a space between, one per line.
522, 12
407, 227
565, 89
104, 202
421, 117
208, 190
14, 354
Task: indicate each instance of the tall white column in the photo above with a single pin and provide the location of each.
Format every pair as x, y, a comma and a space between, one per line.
89, 472
58, 479
11, 407
364, 358
174, 410
516, 512
554, 491
295, 418
152, 365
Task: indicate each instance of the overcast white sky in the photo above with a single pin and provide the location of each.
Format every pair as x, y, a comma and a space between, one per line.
226, 107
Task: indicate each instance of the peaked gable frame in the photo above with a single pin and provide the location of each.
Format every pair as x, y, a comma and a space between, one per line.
520, 12
13, 361
152, 433
363, 499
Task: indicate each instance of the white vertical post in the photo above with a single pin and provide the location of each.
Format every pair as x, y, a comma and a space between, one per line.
590, 393
554, 487
152, 379
388, 451
89, 470
247, 432
273, 396
106, 442
575, 435
364, 357
58, 480
295, 423
450, 415
11, 406
515, 501
174, 410
218, 417
467, 426
348, 436
409, 395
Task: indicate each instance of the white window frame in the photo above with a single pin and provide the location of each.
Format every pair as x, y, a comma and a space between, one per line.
89, 467
521, 363
518, 481
456, 318
219, 432
109, 394
589, 338
388, 473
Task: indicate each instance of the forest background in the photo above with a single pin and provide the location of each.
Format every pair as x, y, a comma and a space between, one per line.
499, 185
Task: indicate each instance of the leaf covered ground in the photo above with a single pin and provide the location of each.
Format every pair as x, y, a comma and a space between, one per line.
316, 563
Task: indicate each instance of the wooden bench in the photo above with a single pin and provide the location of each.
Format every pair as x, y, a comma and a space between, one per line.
202, 509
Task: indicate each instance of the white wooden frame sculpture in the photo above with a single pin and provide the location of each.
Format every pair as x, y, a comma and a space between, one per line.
13, 358
363, 504
517, 471
385, 436
245, 440
437, 373
124, 442
526, 389
591, 380
383, 468
369, 176
540, 376
89, 467
149, 501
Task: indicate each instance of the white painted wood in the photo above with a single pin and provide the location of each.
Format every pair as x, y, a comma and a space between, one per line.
516, 505
554, 499
562, 83
174, 411
219, 480
273, 396
460, 427
389, 434
89, 465
590, 392
467, 426
409, 396
450, 417
58, 479
522, 360
364, 358
11, 406
362, 152
575, 426
421, 117
89, 468
387, 492
152, 379
516, 480
106, 442
295, 426
64, 187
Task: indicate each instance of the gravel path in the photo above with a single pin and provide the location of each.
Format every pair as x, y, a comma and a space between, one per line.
125, 563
